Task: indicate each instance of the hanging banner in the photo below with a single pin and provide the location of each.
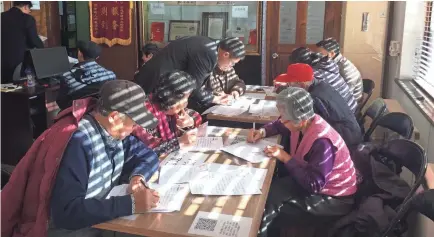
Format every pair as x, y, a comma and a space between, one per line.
111, 22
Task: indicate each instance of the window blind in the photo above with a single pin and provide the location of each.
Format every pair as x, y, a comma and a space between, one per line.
424, 66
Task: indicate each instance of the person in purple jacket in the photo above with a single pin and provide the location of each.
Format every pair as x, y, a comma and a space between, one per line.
321, 179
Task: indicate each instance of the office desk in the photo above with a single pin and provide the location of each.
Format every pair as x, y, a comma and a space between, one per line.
178, 223
245, 117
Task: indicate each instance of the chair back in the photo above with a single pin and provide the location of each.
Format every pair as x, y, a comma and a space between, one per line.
368, 88
397, 122
412, 156
374, 111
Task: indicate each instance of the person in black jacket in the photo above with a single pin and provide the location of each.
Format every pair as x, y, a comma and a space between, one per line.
196, 55
18, 33
327, 102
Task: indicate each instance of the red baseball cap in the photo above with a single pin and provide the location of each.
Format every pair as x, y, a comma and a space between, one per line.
298, 72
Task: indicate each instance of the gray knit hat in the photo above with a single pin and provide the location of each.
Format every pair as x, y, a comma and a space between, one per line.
295, 104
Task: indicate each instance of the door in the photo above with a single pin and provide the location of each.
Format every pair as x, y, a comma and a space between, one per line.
293, 24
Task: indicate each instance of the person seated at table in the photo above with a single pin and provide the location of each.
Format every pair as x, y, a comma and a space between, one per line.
60, 186
330, 47
326, 70
224, 80
168, 104
321, 178
326, 102
85, 78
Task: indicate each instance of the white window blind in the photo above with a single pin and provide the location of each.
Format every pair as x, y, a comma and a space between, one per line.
424, 67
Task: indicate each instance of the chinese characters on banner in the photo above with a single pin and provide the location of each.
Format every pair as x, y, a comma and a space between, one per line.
111, 22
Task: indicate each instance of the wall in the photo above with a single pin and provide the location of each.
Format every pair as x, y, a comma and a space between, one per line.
82, 19
365, 49
194, 13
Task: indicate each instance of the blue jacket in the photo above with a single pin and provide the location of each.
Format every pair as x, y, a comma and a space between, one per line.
333, 108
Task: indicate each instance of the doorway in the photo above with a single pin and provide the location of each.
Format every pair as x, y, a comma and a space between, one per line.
293, 24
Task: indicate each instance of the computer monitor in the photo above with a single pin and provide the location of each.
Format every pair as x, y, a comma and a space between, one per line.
49, 62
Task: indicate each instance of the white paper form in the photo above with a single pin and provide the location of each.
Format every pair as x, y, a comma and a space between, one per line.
225, 110
226, 183
184, 158
257, 173
252, 152
171, 196
220, 225
207, 144
181, 173
264, 108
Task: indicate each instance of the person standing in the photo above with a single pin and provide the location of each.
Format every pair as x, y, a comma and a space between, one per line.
18, 33
197, 56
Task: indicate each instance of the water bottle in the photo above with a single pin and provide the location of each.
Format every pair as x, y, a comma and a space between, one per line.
30, 79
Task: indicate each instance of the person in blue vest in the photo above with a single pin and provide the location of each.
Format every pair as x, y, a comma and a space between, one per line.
85, 78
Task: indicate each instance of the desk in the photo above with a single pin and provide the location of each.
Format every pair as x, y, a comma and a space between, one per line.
394, 106
429, 175
178, 223
21, 110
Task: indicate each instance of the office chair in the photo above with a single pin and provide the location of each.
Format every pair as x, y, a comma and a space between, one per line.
398, 122
368, 88
17, 73
410, 155
374, 111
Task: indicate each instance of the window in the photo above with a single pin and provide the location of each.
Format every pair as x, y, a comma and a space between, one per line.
165, 21
424, 70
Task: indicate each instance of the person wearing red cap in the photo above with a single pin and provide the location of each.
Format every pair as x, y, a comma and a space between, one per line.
327, 101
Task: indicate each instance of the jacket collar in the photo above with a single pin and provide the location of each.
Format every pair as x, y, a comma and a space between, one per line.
338, 58
78, 108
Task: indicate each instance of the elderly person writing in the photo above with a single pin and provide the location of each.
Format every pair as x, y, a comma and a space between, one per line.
321, 176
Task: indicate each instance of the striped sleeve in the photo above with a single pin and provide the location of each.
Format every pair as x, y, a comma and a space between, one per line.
352, 77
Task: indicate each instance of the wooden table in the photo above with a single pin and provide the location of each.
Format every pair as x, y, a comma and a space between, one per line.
245, 117
178, 223
394, 106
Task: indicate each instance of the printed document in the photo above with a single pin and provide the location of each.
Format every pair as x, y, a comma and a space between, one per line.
180, 173
171, 196
226, 183
184, 158
220, 225
252, 152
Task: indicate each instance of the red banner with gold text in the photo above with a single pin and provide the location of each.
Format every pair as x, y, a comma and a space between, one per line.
111, 22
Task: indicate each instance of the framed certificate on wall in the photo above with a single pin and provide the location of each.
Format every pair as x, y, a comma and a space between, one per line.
215, 24
179, 29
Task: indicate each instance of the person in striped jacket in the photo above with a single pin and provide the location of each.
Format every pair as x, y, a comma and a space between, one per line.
330, 47
319, 179
85, 78
325, 69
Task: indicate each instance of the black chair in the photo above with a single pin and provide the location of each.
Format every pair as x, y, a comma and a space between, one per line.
410, 155
368, 88
374, 111
397, 122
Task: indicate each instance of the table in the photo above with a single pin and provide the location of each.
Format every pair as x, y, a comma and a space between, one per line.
245, 117
429, 175
394, 106
178, 223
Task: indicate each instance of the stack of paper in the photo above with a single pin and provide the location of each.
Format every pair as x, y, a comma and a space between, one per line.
171, 196
225, 110
252, 152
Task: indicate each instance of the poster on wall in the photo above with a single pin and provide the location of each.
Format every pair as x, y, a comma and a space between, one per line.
36, 5
179, 29
111, 22
157, 31
157, 8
